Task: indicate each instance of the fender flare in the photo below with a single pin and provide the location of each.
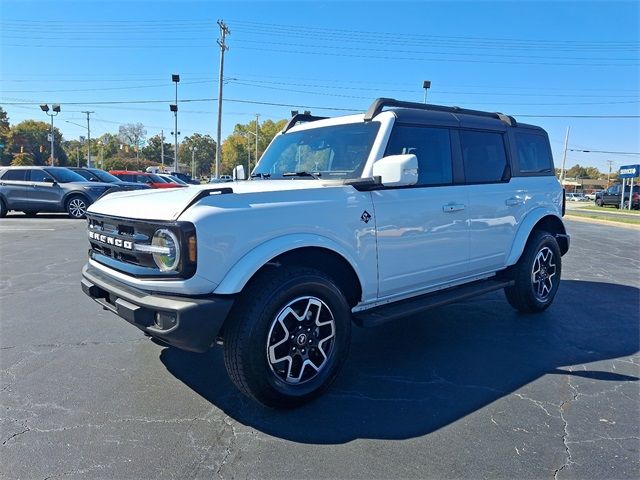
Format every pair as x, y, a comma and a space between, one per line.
524, 231
242, 271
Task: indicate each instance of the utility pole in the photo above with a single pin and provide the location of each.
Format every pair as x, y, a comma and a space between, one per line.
610, 162
256, 159
88, 139
224, 31
162, 149
564, 155
193, 161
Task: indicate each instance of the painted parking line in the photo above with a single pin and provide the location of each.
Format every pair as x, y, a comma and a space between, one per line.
26, 229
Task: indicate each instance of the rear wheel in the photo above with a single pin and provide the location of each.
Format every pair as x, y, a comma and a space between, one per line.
288, 337
77, 206
536, 275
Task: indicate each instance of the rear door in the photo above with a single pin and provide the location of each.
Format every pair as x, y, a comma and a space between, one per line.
15, 188
496, 201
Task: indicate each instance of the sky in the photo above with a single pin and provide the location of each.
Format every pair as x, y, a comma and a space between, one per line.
555, 64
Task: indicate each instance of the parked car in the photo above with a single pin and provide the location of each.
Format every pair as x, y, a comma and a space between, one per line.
358, 219
97, 175
576, 197
590, 196
221, 179
185, 177
171, 179
150, 179
613, 195
48, 189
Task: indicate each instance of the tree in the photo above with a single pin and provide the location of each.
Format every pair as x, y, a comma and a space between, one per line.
132, 134
593, 172
240, 144
5, 157
153, 151
22, 160
30, 136
204, 154
576, 171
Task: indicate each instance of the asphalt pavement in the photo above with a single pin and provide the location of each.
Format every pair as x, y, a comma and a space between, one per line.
471, 390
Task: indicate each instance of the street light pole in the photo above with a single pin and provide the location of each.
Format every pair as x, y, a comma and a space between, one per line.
56, 110
426, 85
174, 108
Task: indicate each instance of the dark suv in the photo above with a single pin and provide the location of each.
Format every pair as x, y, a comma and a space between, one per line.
48, 189
613, 194
97, 175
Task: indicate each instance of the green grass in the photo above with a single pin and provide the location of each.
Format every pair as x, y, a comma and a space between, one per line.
628, 219
591, 208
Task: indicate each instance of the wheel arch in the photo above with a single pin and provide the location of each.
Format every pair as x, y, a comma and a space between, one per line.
74, 193
308, 251
544, 220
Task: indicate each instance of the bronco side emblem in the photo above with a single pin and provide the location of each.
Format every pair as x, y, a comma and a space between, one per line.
365, 217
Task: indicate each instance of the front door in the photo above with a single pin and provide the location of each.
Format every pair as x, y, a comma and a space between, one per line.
422, 231
45, 194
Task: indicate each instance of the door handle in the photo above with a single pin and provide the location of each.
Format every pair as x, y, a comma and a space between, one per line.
453, 207
514, 202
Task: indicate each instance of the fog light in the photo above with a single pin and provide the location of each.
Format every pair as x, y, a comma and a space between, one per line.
165, 320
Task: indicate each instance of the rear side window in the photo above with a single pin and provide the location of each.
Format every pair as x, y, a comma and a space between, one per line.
484, 157
18, 174
432, 147
534, 155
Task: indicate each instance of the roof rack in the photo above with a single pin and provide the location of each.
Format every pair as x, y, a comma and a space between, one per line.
378, 104
300, 118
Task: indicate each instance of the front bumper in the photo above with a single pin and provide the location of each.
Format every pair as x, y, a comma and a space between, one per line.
184, 322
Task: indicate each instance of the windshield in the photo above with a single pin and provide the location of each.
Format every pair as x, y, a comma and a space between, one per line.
63, 175
335, 152
171, 178
105, 176
157, 178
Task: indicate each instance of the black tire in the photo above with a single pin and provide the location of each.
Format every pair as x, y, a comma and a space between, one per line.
271, 318
599, 202
76, 206
3, 209
30, 213
542, 255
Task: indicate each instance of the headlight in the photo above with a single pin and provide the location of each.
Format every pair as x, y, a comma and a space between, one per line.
167, 251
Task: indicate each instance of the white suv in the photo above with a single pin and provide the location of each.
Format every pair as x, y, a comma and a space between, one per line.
357, 219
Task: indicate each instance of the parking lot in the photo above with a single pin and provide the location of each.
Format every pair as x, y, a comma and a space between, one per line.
471, 390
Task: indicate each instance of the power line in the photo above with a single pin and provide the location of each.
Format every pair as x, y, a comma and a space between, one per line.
603, 151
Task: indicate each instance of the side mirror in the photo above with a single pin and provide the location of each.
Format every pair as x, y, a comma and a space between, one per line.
238, 173
49, 180
397, 170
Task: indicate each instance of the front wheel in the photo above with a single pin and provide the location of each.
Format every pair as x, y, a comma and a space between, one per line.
288, 337
3, 209
599, 202
77, 206
536, 275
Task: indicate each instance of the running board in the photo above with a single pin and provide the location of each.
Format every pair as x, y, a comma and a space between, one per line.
392, 311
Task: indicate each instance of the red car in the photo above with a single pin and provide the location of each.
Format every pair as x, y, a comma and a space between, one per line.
154, 181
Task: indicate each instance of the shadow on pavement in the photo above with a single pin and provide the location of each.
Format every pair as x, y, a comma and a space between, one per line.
417, 375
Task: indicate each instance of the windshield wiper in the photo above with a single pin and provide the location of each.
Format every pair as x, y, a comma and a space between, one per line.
261, 175
302, 174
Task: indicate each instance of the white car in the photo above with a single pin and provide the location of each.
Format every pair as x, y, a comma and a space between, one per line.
576, 197
357, 219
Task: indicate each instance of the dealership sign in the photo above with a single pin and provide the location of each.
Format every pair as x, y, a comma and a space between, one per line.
629, 171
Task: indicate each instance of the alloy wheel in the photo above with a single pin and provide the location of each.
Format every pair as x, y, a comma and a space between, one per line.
543, 273
301, 340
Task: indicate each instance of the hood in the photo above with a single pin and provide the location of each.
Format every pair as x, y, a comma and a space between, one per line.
168, 204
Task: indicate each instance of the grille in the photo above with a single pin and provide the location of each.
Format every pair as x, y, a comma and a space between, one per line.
114, 239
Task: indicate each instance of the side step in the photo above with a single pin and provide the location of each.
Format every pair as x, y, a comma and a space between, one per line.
392, 311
